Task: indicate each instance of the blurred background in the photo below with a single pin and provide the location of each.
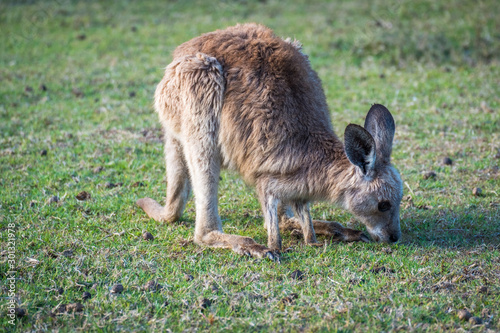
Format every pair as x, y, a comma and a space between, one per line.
117, 48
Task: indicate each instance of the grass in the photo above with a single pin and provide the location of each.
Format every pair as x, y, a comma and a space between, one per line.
436, 67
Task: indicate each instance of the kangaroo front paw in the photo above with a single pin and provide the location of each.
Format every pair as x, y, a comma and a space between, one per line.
360, 238
350, 235
338, 233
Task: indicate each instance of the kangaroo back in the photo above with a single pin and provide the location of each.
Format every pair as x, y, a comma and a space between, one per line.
191, 92
274, 109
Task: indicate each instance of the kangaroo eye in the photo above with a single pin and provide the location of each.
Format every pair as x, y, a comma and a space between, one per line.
384, 206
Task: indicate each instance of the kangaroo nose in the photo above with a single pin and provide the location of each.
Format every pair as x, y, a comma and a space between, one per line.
394, 238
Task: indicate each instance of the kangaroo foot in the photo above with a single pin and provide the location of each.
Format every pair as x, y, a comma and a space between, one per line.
239, 244
255, 250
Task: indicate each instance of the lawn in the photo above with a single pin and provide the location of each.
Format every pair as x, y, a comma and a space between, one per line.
76, 89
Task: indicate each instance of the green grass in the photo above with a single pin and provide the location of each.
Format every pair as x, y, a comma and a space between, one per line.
436, 67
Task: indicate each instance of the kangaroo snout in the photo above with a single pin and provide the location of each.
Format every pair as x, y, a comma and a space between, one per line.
381, 236
394, 237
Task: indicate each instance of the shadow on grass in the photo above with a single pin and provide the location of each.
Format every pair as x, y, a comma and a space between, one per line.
458, 227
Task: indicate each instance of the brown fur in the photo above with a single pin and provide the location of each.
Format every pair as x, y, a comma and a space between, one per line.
244, 99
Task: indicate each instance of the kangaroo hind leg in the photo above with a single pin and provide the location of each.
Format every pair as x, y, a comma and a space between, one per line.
202, 91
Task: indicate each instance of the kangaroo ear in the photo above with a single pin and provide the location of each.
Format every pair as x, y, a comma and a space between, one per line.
359, 147
380, 123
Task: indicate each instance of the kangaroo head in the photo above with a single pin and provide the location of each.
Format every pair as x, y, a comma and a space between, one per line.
375, 190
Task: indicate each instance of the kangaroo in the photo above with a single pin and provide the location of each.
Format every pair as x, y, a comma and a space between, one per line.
247, 100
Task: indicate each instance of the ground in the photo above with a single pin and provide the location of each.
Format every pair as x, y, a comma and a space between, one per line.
77, 81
